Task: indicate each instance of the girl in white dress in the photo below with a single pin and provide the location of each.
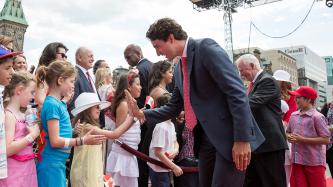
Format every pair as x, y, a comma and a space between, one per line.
123, 166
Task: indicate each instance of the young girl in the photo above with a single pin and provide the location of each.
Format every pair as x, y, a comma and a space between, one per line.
103, 83
163, 142
19, 136
6, 72
123, 166
60, 78
160, 76
308, 134
88, 159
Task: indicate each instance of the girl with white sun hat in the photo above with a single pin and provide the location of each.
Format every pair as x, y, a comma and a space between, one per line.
283, 79
88, 159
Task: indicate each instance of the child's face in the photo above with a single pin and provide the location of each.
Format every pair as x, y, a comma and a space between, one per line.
67, 85
167, 76
6, 71
135, 88
27, 93
108, 78
303, 102
94, 112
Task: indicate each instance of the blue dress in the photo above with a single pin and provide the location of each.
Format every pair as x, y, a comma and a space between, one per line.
51, 170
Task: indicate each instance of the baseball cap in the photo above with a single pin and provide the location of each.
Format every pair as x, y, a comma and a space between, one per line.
4, 52
305, 91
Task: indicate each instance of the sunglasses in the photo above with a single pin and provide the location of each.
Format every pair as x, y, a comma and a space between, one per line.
63, 55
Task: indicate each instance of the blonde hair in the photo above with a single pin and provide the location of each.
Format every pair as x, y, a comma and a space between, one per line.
53, 72
5, 40
18, 78
100, 75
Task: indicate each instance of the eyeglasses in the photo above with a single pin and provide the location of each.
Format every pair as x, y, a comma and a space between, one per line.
63, 55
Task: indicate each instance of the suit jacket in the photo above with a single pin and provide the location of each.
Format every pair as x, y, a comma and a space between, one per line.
81, 85
265, 103
144, 68
217, 97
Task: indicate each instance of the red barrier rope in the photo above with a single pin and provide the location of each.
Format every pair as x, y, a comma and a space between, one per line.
146, 158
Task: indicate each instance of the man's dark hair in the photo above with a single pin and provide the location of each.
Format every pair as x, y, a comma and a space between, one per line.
162, 28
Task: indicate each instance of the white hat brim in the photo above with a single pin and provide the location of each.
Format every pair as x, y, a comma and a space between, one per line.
279, 79
102, 105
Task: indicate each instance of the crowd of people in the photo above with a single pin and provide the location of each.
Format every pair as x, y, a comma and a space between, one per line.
190, 110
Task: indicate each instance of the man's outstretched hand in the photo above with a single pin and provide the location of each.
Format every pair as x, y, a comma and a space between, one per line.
133, 107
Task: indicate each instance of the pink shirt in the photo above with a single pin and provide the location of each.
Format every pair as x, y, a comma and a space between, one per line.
310, 124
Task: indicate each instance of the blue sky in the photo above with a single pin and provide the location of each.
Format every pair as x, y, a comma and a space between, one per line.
107, 26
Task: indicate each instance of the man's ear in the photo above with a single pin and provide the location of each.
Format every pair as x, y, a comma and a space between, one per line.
171, 38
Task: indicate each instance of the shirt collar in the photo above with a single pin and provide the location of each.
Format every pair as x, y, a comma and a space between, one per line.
82, 68
139, 61
185, 48
309, 112
255, 78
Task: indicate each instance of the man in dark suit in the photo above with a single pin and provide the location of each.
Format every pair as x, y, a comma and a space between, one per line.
215, 104
267, 165
134, 57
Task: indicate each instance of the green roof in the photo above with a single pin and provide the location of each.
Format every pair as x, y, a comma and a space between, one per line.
12, 11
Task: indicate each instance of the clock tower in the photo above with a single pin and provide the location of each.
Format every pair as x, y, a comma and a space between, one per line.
13, 22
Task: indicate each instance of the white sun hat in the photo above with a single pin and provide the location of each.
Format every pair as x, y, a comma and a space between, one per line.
86, 100
281, 75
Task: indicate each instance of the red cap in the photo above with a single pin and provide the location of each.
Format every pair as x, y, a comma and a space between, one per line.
305, 91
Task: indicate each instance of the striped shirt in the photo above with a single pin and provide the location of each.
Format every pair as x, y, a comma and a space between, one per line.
3, 155
309, 124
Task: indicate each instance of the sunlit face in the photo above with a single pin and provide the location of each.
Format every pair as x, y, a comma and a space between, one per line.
167, 76
20, 64
61, 54
6, 71
86, 59
165, 48
135, 88
66, 85
246, 70
26, 93
94, 112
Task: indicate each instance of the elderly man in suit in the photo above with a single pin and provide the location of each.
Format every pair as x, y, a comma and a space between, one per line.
267, 165
216, 107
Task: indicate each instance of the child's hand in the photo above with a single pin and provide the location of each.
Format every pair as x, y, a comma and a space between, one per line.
295, 138
90, 139
177, 171
33, 130
181, 117
78, 127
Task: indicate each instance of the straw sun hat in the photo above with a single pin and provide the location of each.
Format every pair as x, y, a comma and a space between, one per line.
86, 100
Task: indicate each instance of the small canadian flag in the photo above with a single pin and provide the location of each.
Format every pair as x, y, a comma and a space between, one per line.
149, 103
